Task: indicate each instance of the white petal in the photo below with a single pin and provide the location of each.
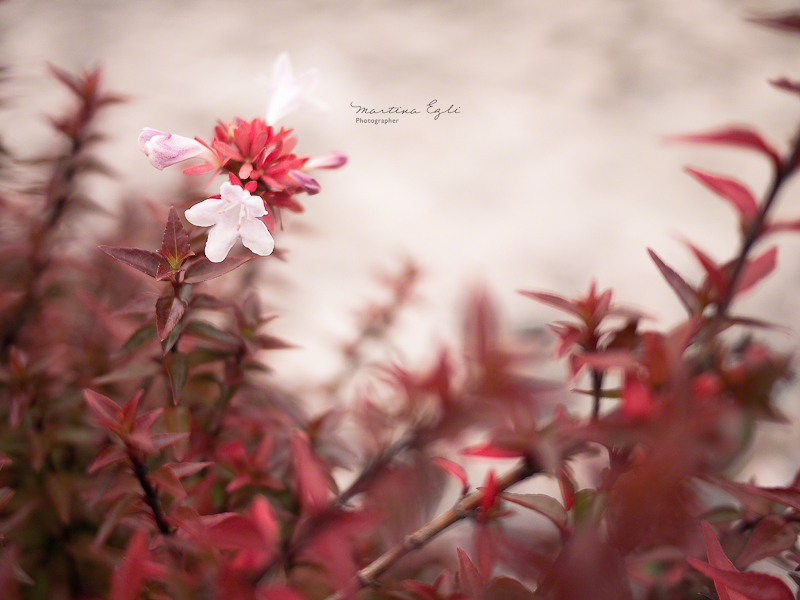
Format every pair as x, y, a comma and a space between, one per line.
221, 239
205, 213
256, 236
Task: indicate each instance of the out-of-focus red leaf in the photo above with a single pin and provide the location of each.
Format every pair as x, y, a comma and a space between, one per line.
203, 269
234, 532
757, 269
771, 536
107, 456
555, 301
716, 275
278, 593
129, 576
786, 85
494, 450
314, 482
542, 504
470, 579
686, 293
787, 22
506, 588
745, 586
736, 193
107, 412
741, 137
637, 402
454, 469
169, 310
143, 260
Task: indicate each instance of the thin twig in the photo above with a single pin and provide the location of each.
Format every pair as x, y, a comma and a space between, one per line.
369, 574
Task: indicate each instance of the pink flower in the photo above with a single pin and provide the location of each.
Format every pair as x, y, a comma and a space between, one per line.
235, 214
166, 149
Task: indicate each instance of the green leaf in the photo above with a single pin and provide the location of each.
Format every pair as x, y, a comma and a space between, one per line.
207, 331
134, 371
141, 336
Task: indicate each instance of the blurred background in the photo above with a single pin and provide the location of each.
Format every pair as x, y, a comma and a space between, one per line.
554, 171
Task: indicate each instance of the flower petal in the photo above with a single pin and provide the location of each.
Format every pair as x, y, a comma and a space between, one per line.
205, 213
308, 183
256, 237
332, 160
221, 239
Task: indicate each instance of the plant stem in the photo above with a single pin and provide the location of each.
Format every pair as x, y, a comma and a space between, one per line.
150, 495
369, 574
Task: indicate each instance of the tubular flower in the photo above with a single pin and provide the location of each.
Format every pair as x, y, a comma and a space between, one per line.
256, 151
235, 214
166, 149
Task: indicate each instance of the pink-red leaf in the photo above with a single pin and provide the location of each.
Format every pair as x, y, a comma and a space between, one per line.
716, 275
737, 194
686, 293
555, 301
749, 586
454, 469
770, 537
143, 260
733, 136
106, 411
470, 580
757, 269
203, 269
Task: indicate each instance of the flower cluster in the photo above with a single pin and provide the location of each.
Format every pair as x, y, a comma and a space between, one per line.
259, 161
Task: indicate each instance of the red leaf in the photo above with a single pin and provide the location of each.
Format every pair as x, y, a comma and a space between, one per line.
143, 260
314, 483
470, 580
733, 136
106, 411
686, 293
749, 586
454, 469
786, 85
555, 301
203, 269
175, 243
770, 537
129, 576
716, 275
739, 196
757, 269
169, 310
787, 22
278, 593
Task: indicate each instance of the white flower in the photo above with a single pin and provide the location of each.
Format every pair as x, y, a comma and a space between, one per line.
289, 92
232, 216
166, 149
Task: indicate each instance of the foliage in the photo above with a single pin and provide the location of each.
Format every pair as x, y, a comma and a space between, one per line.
146, 453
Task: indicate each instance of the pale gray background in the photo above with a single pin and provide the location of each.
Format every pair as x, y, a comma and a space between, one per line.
553, 173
